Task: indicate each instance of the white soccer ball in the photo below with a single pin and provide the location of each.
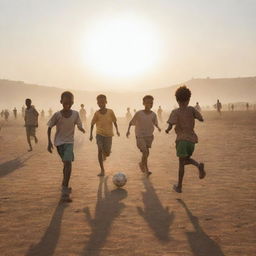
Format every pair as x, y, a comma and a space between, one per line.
119, 179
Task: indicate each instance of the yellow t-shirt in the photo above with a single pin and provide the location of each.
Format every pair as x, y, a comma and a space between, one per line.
104, 122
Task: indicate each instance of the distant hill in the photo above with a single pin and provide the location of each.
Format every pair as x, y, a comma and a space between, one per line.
205, 91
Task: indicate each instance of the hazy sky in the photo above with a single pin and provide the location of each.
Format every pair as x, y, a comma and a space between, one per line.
125, 44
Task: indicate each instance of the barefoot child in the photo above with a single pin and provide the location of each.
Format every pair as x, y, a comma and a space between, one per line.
31, 122
65, 121
144, 122
184, 120
104, 119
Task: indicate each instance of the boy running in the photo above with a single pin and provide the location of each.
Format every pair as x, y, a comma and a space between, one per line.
104, 119
31, 122
144, 122
184, 120
65, 121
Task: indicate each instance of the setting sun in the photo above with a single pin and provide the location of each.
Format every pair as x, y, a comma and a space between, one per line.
121, 47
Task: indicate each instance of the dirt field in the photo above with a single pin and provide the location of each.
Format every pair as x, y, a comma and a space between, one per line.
212, 217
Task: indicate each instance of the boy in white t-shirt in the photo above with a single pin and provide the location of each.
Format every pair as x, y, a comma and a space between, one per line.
144, 122
65, 121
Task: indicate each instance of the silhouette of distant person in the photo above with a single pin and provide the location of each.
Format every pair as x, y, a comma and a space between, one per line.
218, 106
159, 114
15, 113
42, 114
247, 106
50, 112
2, 113
6, 115
128, 115
232, 107
197, 107
82, 114
23, 111
31, 122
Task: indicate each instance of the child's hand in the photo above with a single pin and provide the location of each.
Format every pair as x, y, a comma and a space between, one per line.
50, 147
118, 134
159, 129
166, 131
82, 130
128, 134
91, 138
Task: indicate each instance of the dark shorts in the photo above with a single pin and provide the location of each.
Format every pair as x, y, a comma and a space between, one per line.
144, 143
184, 148
104, 143
66, 152
31, 131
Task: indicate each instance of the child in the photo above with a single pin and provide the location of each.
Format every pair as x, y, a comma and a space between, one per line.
144, 121
184, 120
31, 122
104, 119
65, 121
82, 113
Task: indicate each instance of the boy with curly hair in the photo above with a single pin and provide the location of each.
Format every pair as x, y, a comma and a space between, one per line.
184, 120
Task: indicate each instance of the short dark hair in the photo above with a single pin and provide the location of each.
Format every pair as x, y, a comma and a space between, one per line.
102, 96
148, 97
182, 94
67, 94
28, 100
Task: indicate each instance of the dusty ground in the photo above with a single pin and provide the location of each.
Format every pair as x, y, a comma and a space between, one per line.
213, 217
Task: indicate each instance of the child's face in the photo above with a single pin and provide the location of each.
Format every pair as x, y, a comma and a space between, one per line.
184, 103
101, 102
67, 103
28, 103
148, 104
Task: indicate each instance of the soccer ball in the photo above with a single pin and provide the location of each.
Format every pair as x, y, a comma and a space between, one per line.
119, 179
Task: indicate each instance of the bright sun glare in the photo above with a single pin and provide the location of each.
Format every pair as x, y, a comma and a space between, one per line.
121, 47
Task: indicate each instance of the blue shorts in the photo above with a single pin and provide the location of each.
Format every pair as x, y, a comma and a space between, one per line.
66, 152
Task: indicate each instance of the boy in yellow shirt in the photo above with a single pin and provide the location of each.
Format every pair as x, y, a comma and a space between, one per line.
104, 119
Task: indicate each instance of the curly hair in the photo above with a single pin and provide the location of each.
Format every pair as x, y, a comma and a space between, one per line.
182, 94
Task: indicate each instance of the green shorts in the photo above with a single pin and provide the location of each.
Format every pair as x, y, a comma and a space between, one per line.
184, 148
66, 152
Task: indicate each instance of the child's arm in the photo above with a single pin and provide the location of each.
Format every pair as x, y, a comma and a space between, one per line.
50, 146
155, 121
117, 132
91, 137
128, 131
79, 124
169, 128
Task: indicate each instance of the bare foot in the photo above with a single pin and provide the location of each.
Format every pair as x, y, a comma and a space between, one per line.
36, 140
202, 172
148, 173
177, 189
29, 150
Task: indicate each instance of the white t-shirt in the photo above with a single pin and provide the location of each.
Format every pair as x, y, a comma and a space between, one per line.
144, 123
65, 127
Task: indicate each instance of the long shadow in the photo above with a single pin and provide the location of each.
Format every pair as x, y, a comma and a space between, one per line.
108, 207
201, 244
12, 165
158, 218
49, 241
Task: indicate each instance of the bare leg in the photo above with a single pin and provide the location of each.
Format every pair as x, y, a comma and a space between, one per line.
67, 173
29, 142
144, 161
100, 158
200, 166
